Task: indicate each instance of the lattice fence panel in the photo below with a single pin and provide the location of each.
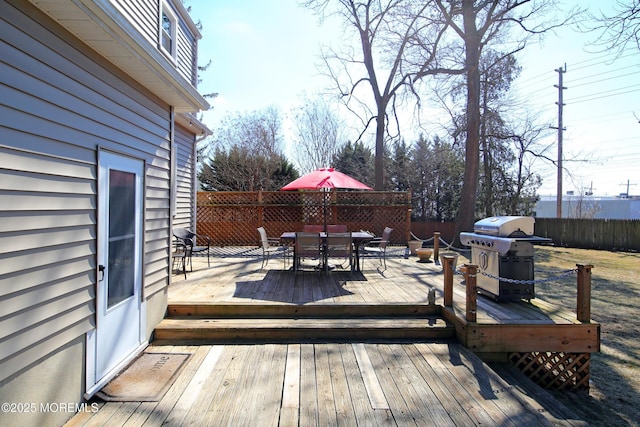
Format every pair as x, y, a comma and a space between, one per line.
371, 198
231, 218
227, 226
555, 371
222, 198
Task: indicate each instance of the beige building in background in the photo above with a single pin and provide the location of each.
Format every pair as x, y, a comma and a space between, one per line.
97, 164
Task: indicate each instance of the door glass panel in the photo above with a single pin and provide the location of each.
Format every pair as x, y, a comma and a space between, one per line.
122, 208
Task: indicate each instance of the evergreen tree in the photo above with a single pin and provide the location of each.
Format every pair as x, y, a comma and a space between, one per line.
356, 160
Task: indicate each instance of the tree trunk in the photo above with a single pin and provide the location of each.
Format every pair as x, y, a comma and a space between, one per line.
379, 155
487, 163
466, 215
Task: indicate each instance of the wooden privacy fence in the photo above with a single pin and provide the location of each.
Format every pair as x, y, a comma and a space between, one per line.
425, 230
620, 234
231, 218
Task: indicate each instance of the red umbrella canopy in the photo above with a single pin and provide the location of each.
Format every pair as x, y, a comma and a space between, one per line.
325, 178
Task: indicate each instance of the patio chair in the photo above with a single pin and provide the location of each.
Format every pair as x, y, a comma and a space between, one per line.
337, 228
270, 246
378, 246
308, 245
312, 228
178, 257
189, 240
339, 245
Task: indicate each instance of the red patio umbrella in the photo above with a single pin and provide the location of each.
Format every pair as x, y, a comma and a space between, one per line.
325, 178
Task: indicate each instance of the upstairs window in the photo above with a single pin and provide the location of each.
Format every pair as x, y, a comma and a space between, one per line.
168, 27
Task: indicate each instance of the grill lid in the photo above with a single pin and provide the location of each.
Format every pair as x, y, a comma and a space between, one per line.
505, 226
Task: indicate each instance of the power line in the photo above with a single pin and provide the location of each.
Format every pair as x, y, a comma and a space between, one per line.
606, 94
611, 60
577, 66
605, 79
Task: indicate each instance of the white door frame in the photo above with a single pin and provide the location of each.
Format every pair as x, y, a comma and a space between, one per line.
103, 339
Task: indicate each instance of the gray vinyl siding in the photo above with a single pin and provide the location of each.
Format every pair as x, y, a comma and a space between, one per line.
59, 102
185, 179
187, 55
145, 17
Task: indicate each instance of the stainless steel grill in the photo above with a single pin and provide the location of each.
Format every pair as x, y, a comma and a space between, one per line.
502, 248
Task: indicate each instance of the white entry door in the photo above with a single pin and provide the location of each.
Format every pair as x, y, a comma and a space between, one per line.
119, 308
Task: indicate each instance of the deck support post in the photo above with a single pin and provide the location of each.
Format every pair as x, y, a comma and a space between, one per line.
260, 209
583, 305
472, 292
447, 261
436, 246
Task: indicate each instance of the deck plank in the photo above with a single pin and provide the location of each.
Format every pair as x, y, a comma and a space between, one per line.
436, 355
326, 403
199, 410
416, 393
265, 371
402, 413
345, 413
420, 393
474, 376
440, 387
106, 413
308, 386
372, 385
192, 391
231, 396
289, 414
366, 413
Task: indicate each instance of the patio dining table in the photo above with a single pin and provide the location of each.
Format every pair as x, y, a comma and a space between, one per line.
359, 238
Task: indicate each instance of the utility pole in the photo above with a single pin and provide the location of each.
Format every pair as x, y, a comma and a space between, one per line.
589, 192
560, 128
627, 195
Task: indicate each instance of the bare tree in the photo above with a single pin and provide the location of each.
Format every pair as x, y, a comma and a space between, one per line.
478, 24
248, 154
619, 29
384, 29
318, 135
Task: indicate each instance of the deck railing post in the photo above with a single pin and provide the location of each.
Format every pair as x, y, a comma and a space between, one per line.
436, 246
260, 201
334, 207
583, 305
472, 292
447, 261
408, 217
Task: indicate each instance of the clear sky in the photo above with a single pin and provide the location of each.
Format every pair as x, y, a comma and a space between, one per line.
266, 53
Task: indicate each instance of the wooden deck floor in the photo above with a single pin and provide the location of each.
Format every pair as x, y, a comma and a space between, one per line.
368, 384
300, 384
236, 277
240, 279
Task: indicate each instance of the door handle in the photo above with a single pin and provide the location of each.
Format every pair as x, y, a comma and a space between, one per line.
101, 269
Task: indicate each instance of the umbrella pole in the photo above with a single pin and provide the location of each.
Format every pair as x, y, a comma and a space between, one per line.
324, 204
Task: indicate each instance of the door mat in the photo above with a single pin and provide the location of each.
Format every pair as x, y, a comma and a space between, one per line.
147, 379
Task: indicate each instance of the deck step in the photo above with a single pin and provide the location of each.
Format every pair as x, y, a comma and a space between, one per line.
333, 310
255, 322
186, 330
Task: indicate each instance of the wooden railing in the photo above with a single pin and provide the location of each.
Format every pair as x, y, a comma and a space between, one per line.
583, 303
555, 356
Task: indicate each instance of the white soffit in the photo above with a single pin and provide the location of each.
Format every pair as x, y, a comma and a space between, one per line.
100, 25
